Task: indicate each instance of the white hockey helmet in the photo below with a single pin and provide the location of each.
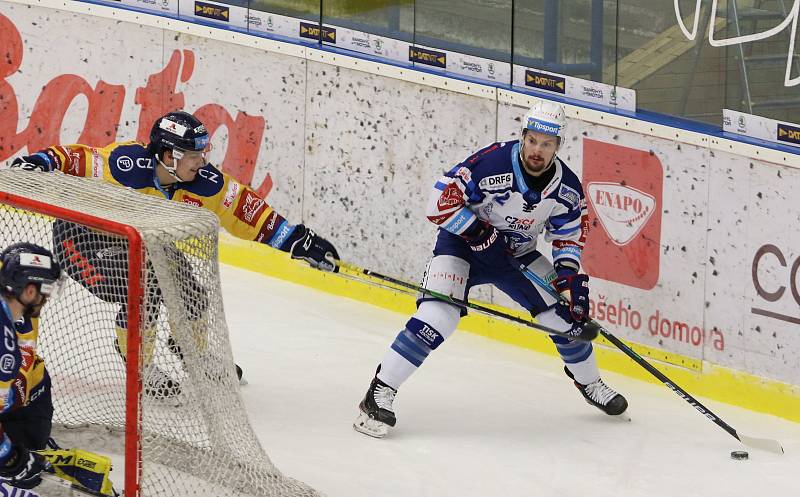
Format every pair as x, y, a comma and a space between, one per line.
545, 116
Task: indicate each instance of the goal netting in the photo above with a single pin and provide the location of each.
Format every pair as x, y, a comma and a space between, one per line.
137, 343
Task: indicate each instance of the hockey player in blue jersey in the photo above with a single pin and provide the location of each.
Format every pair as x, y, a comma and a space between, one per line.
491, 209
29, 277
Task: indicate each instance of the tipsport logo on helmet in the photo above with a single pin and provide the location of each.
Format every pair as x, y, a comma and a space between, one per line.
624, 192
543, 126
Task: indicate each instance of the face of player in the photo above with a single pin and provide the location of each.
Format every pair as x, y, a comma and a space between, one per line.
33, 300
188, 164
538, 149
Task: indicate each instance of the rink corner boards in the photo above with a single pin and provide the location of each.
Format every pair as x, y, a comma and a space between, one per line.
701, 378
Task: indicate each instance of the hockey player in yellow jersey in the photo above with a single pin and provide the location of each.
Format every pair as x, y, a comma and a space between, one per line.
29, 277
173, 165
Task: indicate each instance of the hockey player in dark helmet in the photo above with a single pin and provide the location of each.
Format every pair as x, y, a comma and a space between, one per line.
179, 142
173, 165
29, 278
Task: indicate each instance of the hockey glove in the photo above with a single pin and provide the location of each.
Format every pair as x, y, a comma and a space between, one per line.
314, 249
23, 468
488, 245
575, 287
33, 162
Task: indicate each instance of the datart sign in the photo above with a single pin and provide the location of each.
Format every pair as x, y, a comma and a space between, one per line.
575, 88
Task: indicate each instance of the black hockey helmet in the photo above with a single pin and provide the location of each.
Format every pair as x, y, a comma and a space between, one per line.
24, 263
178, 130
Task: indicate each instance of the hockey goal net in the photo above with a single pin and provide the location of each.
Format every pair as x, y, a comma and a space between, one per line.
137, 343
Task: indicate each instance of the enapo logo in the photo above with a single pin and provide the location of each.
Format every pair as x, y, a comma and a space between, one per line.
623, 189
623, 211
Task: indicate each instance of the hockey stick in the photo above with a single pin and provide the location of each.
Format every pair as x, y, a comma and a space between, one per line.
756, 443
347, 270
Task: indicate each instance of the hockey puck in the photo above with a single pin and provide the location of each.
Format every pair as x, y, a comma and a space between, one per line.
739, 455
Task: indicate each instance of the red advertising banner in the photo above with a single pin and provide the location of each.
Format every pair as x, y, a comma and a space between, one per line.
623, 190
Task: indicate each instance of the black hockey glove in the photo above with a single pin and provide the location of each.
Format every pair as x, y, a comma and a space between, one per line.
488, 245
23, 468
31, 163
575, 287
312, 248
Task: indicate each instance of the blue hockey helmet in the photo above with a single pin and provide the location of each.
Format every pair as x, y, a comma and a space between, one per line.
25, 263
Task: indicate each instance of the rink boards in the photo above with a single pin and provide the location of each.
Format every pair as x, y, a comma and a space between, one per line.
693, 249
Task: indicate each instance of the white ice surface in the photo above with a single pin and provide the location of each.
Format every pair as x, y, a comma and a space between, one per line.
480, 418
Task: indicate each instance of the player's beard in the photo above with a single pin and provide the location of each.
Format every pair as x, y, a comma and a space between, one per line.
34, 310
536, 164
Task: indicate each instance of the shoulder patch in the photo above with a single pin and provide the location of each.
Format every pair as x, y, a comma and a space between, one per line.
130, 166
497, 182
250, 207
569, 195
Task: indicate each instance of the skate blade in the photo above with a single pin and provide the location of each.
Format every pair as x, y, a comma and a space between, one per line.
371, 427
624, 416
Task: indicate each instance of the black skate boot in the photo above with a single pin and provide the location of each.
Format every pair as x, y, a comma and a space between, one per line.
158, 385
601, 396
376, 410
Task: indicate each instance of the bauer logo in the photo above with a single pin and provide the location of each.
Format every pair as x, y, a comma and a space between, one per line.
544, 81
211, 11
623, 188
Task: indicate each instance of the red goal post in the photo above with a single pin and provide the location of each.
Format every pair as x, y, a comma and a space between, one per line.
134, 379
144, 283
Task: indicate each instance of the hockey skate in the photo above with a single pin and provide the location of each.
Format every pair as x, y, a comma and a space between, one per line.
158, 385
376, 414
601, 396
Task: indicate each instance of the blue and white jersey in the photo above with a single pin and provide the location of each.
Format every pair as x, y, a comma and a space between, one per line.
491, 186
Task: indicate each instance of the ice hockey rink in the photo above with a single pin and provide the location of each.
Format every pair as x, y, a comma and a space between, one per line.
480, 418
